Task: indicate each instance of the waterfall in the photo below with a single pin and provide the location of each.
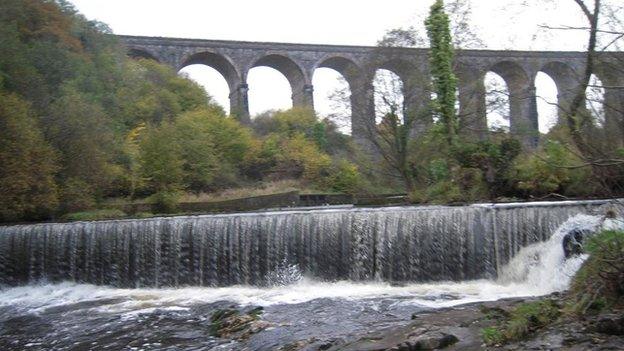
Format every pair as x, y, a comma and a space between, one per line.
401, 244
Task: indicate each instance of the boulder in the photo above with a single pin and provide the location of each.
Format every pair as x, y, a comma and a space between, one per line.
611, 324
573, 242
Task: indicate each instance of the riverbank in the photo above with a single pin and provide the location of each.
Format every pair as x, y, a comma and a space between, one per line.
462, 328
456, 328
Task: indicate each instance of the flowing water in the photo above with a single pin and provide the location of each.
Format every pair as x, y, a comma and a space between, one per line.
154, 283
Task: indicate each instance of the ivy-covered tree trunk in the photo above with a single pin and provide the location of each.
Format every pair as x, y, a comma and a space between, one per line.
441, 62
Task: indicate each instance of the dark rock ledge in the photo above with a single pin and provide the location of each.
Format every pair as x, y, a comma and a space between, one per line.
460, 328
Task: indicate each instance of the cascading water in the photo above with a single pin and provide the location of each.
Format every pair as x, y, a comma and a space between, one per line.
324, 275
407, 244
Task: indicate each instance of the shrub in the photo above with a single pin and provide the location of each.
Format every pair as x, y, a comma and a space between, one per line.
600, 282
548, 171
76, 195
493, 159
451, 185
261, 158
301, 158
444, 192
165, 201
324, 133
345, 177
528, 317
523, 320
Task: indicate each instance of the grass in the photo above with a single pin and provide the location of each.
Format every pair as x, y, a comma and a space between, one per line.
523, 320
268, 188
492, 336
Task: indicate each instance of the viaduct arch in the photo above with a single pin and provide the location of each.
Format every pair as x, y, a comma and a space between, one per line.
358, 64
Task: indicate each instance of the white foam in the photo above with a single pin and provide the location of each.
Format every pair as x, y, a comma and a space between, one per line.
37, 298
536, 270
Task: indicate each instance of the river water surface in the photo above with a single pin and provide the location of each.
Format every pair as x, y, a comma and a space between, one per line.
72, 316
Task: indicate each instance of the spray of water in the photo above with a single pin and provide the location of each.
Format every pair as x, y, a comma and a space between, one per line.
543, 267
284, 274
535, 270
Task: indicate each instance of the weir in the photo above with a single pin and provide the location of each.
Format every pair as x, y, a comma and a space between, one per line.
401, 244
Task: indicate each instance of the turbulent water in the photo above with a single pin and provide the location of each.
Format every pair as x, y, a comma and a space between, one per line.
404, 244
319, 274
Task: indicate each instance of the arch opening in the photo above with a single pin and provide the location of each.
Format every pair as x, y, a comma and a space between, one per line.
332, 97
212, 81
269, 90
513, 74
594, 100
287, 67
388, 95
522, 107
548, 106
219, 63
497, 103
555, 84
348, 93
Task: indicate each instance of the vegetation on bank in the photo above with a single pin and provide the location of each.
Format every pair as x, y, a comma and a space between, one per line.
522, 321
81, 123
599, 284
84, 128
596, 288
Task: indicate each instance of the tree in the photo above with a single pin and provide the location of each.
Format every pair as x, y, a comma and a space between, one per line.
441, 65
161, 159
212, 148
402, 104
600, 149
29, 164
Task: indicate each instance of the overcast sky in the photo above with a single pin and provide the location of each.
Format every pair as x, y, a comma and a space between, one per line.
501, 24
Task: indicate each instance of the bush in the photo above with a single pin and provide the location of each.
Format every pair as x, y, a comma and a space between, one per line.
212, 147
345, 177
288, 123
444, 192
599, 283
165, 201
76, 195
493, 159
299, 157
451, 184
523, 320
324, 133
547, 172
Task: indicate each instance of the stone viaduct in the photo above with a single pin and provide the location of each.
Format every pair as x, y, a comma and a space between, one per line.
358, 64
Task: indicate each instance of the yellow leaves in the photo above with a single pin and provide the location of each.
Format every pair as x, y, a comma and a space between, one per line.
45, 20
294, 120
28, 163
298, 151
132, 138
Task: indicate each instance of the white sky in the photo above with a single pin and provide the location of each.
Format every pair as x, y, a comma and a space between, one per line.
501, 24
